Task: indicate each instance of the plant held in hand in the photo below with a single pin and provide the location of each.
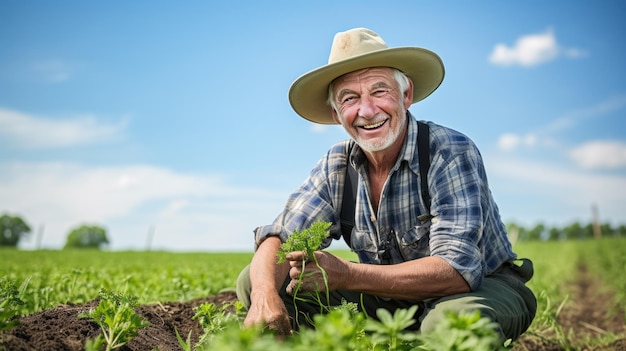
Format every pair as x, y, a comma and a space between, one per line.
308, 240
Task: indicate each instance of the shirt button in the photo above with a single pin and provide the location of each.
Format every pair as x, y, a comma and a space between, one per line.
373, 218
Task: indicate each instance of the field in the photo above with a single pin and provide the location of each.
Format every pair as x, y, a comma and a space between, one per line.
580, 287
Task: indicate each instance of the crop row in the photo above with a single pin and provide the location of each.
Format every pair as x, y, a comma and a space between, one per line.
49, 278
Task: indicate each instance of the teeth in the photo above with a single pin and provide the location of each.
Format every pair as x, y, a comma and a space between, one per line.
374, 126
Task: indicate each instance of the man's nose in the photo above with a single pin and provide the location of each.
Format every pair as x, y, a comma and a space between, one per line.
367, 107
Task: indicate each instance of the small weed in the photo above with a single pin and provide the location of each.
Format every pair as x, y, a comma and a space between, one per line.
9, 302
117, 318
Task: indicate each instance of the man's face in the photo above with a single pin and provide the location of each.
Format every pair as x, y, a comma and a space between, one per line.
371, 107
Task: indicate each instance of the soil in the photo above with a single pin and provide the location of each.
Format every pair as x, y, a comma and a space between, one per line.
589, 313
61, 329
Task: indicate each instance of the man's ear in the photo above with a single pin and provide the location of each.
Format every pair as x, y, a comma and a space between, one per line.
335, 116
408, 95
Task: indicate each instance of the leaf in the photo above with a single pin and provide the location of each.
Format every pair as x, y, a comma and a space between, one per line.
307, 240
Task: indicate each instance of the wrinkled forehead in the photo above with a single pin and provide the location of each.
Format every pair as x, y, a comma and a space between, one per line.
365, 76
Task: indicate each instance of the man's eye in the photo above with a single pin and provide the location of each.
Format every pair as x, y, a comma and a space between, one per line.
348, 99
380, 92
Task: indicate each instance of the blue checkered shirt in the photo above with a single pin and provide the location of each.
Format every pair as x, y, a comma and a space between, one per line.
465, 229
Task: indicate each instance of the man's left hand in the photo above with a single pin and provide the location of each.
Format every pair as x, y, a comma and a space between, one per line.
321, 276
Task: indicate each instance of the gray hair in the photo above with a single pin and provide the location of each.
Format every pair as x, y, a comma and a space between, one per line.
401, 78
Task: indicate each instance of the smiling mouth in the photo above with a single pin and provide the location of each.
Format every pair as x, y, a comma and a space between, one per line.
374, 126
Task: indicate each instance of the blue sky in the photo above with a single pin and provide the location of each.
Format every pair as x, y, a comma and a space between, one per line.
172, 118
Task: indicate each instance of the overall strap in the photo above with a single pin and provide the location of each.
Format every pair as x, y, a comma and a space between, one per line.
350, 187
349, 199
423, 152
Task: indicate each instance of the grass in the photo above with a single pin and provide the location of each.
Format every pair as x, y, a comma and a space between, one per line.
50, 278
558, 264
46, 279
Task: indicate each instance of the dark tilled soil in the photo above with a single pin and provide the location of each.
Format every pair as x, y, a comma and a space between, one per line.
588, 313
61, 329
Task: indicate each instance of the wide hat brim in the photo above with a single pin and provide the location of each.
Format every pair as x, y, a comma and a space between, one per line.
308, 94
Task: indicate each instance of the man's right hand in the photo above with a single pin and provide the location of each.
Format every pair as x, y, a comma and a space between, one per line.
266, 277
269, 310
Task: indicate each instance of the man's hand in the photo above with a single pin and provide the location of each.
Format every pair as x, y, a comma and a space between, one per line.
269, 310
266, 277
313, 277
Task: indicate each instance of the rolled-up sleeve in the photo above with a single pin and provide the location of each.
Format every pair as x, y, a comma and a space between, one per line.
317, 199
457, 204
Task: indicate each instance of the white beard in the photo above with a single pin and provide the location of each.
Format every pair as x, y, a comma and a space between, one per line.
379, 145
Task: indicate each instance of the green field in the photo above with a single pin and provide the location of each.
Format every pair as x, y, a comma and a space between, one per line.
49, 278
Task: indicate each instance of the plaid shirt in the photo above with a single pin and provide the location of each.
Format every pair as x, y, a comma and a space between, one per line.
465, 230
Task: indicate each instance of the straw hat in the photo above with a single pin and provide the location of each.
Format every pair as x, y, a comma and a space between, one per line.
357, 49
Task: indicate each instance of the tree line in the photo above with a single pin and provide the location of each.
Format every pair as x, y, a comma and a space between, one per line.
14, 228
571, 231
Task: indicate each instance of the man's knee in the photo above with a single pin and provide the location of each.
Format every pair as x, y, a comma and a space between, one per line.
436, 312
504, 301
243, 286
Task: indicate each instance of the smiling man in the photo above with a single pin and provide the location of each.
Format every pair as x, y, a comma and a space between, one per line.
425, 226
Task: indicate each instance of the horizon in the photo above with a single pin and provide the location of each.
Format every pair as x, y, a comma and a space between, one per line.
174, 119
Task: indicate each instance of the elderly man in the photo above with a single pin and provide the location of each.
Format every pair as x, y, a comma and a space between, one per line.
424, 223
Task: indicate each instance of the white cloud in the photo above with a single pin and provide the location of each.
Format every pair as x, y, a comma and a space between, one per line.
189, 211
508, 141
511, 141
541, 136
532, 191
34, 132
531, 50
600, 155
318, 128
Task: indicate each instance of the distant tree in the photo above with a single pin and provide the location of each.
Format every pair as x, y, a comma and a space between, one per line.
536, 232
606, 229
554, 233
12, 229
87, 236
573, 231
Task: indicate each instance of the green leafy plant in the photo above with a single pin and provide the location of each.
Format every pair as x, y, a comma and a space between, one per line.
463, 332
117, 318
389, 332
9, 302
214, 319
341, 329
308, 240
184, 344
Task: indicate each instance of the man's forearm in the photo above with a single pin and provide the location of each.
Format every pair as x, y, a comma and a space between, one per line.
265, 274
413, 280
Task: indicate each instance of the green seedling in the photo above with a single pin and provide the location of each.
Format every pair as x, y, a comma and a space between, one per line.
117, 318
214, 319
185, 345
390, 329
9, 302
463, 332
